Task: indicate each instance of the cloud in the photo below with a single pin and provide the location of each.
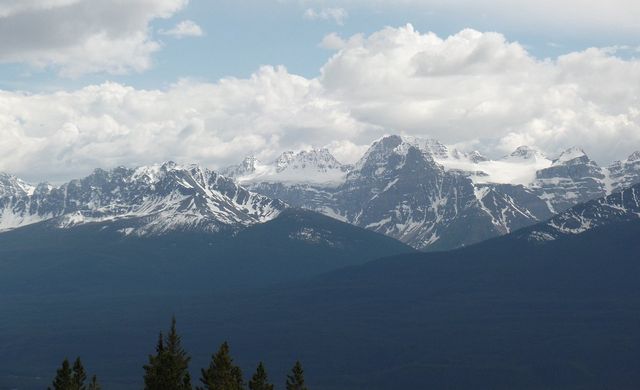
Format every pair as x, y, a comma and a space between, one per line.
77, 37
479, 86
332, 41
570, 16
186, 28
67, 134
474, 89
338, 15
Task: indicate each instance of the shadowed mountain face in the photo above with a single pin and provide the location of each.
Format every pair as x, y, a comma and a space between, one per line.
415, 190
434, 198
618, 207
298, 243
505, 314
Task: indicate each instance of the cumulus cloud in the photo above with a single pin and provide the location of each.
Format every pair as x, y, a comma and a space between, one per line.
82, 36
610, 17
478, 86
477, 90
332, 41
186, 28
337, 15
67, 134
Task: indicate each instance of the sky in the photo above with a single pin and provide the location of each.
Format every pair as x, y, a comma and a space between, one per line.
103, 83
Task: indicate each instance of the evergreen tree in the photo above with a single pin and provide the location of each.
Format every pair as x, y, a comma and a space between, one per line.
259, 381
63, 379
79, 376
73, 378
295, 380
168, 369
222, 374
94, 385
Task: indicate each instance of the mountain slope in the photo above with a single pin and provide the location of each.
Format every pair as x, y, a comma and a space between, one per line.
295, 244
618, 207
12, 186
432, 197
401, 189
503, 314
151, 200
316, 166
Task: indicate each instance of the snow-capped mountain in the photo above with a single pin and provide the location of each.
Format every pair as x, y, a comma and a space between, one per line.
316, 166
623, 174
618, 207
398, 188
572, 178
146, 200
418, 191
434, 197
12, 186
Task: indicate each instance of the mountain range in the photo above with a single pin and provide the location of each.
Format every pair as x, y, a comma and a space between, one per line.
418, 191
433, 197
508, 313
288, 261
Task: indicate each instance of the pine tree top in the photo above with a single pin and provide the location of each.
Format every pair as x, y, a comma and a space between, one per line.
222, 373
295, 380
260, 381
168, 369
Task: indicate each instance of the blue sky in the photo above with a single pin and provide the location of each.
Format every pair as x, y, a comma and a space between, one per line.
102, 83
240, 36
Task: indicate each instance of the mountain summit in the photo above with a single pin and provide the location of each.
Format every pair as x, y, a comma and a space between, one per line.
416, 190
316, 166
145, 200
434, 197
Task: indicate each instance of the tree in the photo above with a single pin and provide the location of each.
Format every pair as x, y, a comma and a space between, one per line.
63, 379
94, 385
259, 381
222, 374
295, 380
73, 378
168, 369
79, 376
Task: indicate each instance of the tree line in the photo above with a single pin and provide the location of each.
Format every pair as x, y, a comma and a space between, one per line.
168, 369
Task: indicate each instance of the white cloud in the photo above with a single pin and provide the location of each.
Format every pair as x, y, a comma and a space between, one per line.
82, 36
569, 16
67, 134
473, 89
186, 28
477, 86
332, 41
337, 15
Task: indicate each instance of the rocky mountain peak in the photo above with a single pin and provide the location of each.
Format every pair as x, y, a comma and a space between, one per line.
249, 163
526, 153
317, 159
283, 161
149, 200
635, 156
12, 186
477, 157
399, 146
572, 156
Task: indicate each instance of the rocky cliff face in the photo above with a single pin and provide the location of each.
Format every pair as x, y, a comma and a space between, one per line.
150, 200
433, 197
418, 191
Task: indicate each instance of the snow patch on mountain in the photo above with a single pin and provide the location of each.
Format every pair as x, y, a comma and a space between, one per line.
152, 200
519, 168
12, 186
313, 167
618, 207
570, 155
